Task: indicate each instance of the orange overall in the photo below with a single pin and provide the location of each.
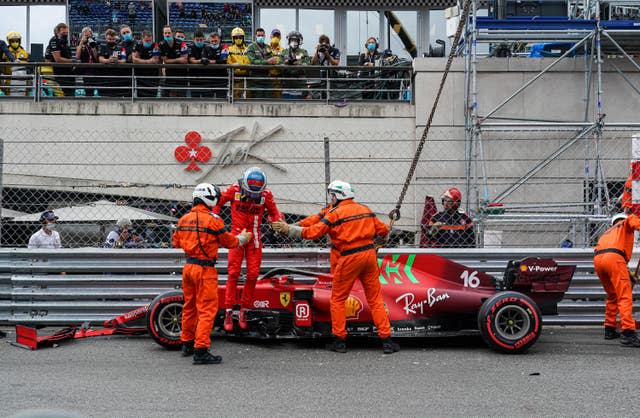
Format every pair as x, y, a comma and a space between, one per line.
199, 234
611, 256
352, 227
312, 219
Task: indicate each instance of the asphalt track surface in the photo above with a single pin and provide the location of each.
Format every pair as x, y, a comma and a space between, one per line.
569, 372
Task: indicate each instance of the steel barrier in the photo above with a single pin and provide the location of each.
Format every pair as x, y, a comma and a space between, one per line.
67, 286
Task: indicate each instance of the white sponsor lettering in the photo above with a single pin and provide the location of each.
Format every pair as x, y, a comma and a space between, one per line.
261, 304
542, 269
412, 307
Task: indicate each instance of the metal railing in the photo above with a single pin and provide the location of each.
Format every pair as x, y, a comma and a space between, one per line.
49, 81
70, 286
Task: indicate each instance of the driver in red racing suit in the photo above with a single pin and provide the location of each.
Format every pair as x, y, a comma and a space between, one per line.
249, 198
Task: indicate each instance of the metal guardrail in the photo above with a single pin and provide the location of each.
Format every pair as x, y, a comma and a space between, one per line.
55, 287
216, 82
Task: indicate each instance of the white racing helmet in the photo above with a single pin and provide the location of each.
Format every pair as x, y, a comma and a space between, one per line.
206, 193
618, 217
341, 189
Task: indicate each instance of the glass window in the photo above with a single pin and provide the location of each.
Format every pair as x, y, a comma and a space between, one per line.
314, 23
360, 26
283, 19
13, 19
43, 20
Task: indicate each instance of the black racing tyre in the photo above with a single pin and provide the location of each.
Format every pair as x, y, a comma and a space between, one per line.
510, 322
164, 319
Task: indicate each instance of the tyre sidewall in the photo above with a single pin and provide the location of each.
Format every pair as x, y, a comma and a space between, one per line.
155, 307
487, 324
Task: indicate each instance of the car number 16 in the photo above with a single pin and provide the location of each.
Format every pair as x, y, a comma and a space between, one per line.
470, 280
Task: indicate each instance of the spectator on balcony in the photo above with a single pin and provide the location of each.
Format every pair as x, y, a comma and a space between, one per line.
198, 72
146, 52
275, 73
126, 46
46, 236
217, 55
87, 53
369, 58
293, 57
58, 52
326, 55
19, 79
260, 53
181, 36
238, 56
110, 54
174, 51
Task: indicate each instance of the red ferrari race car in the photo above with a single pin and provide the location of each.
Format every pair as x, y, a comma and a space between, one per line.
425, 295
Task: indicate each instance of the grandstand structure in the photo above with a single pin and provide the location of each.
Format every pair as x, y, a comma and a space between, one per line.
101, 15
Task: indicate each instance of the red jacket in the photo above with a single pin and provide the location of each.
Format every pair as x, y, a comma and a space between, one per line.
246, 213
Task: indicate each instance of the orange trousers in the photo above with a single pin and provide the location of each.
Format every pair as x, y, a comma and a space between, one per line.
612, 271
200, 285
364, 267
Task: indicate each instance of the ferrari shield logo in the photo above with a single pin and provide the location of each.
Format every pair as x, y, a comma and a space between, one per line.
285, 298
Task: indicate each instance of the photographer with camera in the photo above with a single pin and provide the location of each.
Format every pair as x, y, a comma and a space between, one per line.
87, 53
326, 55
123, 236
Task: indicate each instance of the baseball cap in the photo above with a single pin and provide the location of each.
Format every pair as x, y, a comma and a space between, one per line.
48, 216
276, 31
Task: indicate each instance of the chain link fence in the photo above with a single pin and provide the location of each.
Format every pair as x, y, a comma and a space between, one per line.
92, 178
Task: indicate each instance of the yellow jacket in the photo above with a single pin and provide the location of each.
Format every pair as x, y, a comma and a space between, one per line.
238, 56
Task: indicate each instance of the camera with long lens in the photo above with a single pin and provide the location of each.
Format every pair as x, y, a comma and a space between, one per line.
92, 42
323, 48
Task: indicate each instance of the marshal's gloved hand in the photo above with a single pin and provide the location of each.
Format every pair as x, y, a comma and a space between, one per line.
280, 227
244, 237
284, 228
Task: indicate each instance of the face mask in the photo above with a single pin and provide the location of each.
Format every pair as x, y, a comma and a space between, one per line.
371, 47
260, 40
180, 38
168, 38
127, 37
15, 45
64, 36
147, 44
111, 44
275, 41
51, 227
238, 42
293, 45
199, 44
215, 45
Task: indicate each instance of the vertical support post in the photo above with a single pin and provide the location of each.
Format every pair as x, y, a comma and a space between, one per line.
599, 210
327, 167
